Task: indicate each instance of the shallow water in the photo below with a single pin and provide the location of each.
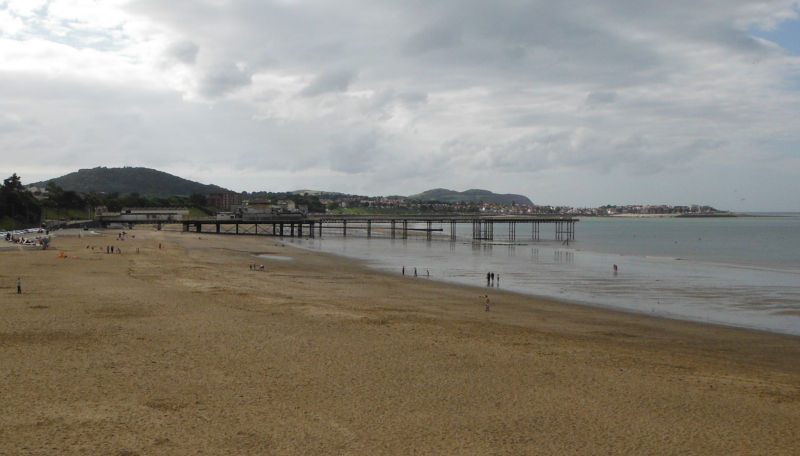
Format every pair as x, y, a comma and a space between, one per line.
724, 271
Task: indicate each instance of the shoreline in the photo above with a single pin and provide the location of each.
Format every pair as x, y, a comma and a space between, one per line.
676, 302
184, 348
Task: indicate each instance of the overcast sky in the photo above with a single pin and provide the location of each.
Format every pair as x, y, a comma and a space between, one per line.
578, 103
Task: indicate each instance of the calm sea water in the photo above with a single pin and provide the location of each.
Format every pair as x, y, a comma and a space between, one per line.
741, 271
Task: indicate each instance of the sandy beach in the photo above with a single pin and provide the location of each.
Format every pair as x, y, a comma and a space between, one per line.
185, 350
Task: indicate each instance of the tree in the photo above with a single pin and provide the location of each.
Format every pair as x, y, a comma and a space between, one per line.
18, 204
13, 183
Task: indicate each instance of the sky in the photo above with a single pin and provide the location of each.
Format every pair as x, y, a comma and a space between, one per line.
578, 103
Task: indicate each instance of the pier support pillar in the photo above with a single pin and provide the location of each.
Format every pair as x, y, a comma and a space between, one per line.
394, 222
369, 228
485, 230
344, 228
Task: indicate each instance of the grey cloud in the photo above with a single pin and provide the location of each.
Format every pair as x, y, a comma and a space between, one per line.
353, 155
413, 97
596, 98
387, 97
333, 81
11, 123
381, 99
515, 53
183, 51
431, 39
223, 79
534, 153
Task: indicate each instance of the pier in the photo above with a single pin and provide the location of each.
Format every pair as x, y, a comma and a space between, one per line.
392, 226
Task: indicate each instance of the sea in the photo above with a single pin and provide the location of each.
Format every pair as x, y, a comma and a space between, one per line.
735, 271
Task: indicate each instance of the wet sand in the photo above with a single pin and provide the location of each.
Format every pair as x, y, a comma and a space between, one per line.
185, 350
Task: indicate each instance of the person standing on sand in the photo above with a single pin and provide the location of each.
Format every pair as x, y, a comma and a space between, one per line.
19, 285
415, 272
487, 303
404, 270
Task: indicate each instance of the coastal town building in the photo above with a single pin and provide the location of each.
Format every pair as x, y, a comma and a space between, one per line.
40, 193
145, 214
225, 200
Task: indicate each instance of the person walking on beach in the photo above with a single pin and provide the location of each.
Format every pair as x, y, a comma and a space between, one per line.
404, 270
19, 285
493, 278
487, 303
488, 276
415, 272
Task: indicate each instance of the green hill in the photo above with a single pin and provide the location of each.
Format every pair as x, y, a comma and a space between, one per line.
471, 196
144, 181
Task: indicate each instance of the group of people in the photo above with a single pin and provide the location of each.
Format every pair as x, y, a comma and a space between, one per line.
34, 241
255, 267
427, 272
490, 279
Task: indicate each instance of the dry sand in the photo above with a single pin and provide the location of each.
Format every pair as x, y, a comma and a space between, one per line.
185, 350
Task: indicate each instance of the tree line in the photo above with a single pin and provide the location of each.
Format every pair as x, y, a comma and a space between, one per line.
19, 207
